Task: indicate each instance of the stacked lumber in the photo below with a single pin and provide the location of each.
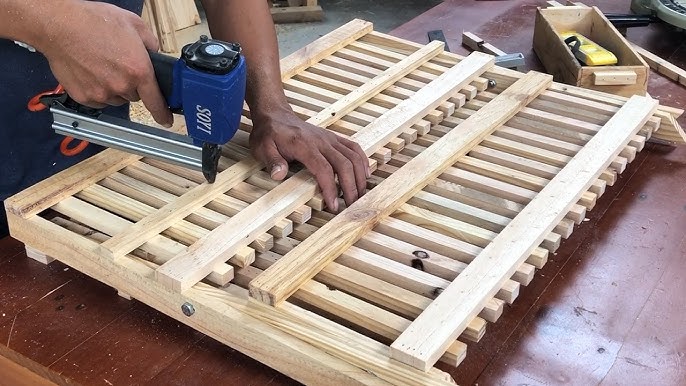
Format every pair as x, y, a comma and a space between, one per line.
295, 11
473, 187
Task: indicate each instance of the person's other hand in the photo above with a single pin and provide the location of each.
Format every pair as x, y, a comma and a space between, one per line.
98, 53
283, 137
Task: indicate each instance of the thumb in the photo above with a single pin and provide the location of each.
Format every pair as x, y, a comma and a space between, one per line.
276, 164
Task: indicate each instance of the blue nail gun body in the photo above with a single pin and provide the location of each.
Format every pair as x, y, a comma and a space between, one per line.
206, 84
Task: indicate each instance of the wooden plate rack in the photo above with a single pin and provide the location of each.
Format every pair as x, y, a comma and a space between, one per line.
479, 174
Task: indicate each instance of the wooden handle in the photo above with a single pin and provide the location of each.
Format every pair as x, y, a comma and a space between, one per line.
614, 78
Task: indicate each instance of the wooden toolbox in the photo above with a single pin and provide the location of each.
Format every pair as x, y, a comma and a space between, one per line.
480, 174
630, 75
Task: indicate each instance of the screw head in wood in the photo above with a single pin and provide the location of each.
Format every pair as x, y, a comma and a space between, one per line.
492, 83
421, 254
187, 309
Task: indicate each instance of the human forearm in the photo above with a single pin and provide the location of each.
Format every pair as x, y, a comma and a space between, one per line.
250, 24
278, 135
27, 20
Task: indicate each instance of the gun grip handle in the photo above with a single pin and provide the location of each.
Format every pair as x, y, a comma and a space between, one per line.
164, 72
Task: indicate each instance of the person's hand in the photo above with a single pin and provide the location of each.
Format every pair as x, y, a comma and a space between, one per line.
98, 53
283, 137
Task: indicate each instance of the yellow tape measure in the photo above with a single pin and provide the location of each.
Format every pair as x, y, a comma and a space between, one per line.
588, 52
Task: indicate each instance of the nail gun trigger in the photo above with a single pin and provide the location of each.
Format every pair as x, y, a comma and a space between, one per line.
211, 153
64, 100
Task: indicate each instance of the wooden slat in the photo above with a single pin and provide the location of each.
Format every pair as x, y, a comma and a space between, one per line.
662, 66
47, 193
388, 270
164, 217
323, 47
187, 269
428, 336
184, 14
358, 311
283, 278
366, 91
159, 247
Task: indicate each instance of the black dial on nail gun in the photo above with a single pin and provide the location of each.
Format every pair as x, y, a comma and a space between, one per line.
213, 56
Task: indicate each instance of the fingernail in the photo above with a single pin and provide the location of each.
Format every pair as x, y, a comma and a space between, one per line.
369, 172
275, 170
335, 206
167, 125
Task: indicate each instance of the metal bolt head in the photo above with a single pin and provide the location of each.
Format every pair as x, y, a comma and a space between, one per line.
187, 309
204, 38
492, 83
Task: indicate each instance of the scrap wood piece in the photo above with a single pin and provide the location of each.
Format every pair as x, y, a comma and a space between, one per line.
295, 11
187, 269
662, 66
478, 44
426, 339
307, 259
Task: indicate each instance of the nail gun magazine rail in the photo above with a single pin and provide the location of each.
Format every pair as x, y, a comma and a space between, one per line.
128, 136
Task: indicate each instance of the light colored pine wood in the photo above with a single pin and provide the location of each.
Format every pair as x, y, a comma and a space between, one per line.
609, 78
159, 248
184, 14
282, 279
357, 311
186, 269
67, 182
662, 66
506, 77
403, 253
176, 210
38, 256
385, 293
425, 340
294, 341
365, 92
164, 22
323, 47
477, 44
156, 175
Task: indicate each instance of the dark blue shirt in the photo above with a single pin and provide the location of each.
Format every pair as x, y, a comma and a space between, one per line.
29, 148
